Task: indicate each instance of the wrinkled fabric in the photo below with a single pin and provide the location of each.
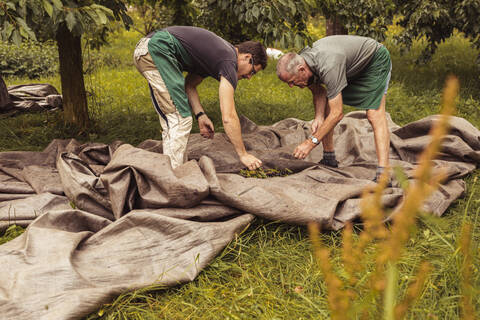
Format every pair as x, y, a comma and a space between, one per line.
30, 97
105, 219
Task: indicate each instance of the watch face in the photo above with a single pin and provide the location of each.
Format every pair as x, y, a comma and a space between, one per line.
314, 140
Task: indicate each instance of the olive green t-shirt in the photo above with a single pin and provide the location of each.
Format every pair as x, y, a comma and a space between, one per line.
337, 59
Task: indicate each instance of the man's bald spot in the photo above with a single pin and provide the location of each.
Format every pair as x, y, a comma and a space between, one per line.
288, 63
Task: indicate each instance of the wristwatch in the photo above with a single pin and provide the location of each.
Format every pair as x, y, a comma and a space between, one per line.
199, 114
314, 140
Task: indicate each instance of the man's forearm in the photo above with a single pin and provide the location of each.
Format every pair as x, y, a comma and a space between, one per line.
319, 100
191, 83
334, 116
233, 130
231, 123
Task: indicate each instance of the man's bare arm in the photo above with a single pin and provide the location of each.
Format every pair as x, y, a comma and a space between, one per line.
191, 82
205, 125
319, 94
334, 117
231, 124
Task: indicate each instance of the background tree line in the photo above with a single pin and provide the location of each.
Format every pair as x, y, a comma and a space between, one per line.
281, 23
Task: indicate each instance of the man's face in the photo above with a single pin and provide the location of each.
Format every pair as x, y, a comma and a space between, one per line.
302, 79
247, 67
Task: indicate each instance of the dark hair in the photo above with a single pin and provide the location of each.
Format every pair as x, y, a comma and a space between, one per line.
256, 49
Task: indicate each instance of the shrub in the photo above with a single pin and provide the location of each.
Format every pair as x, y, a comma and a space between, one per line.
30, 59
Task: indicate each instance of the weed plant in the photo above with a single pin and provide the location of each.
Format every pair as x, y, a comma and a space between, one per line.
270, 271
348, 296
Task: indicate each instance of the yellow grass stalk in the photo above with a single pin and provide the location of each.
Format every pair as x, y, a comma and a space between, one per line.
414, 291
384, 277
423, 185
338, 298
348, 257
466, 303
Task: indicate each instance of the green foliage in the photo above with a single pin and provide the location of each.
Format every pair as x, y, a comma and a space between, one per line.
156, 14
11, 233
152, 15
316, 27
23, 19
14, 16
277, 21
362, 17
29, 59
262, 173
33, 59
436, 21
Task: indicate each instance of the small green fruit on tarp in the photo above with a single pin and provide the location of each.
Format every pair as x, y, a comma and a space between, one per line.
262, 173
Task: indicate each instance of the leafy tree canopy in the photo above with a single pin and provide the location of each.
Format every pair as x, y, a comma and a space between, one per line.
282, 21
31, 18
436, 20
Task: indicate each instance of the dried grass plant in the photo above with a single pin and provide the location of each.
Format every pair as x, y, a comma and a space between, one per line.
347, 297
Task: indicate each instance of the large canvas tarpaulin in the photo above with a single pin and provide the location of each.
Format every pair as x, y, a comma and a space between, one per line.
28, 97
136, 221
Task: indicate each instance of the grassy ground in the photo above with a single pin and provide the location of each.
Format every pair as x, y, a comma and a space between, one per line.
269, 271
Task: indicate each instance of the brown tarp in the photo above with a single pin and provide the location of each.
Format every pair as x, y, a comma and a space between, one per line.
104, 219
28, 97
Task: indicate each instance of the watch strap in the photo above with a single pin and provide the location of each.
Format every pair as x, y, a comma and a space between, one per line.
198, 115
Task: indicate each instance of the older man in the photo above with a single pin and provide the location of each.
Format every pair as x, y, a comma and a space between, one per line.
162, 56
341, 69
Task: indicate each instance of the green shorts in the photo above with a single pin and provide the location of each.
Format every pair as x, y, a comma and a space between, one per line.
367, 89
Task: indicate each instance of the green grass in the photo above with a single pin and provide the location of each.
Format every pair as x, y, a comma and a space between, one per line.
269, 271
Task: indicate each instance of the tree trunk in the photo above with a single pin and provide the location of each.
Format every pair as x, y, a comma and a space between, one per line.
71, 75
4, 96
335, 26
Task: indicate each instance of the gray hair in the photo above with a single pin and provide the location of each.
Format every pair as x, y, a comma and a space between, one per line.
288, 63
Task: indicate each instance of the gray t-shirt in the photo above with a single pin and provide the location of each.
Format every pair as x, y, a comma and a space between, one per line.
212, 56
336, 59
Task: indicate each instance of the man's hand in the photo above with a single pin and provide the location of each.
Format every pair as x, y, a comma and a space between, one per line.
250, 161
303, 149
316, 124
206, 127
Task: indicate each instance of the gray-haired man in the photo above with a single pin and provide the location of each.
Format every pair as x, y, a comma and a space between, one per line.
341, 69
